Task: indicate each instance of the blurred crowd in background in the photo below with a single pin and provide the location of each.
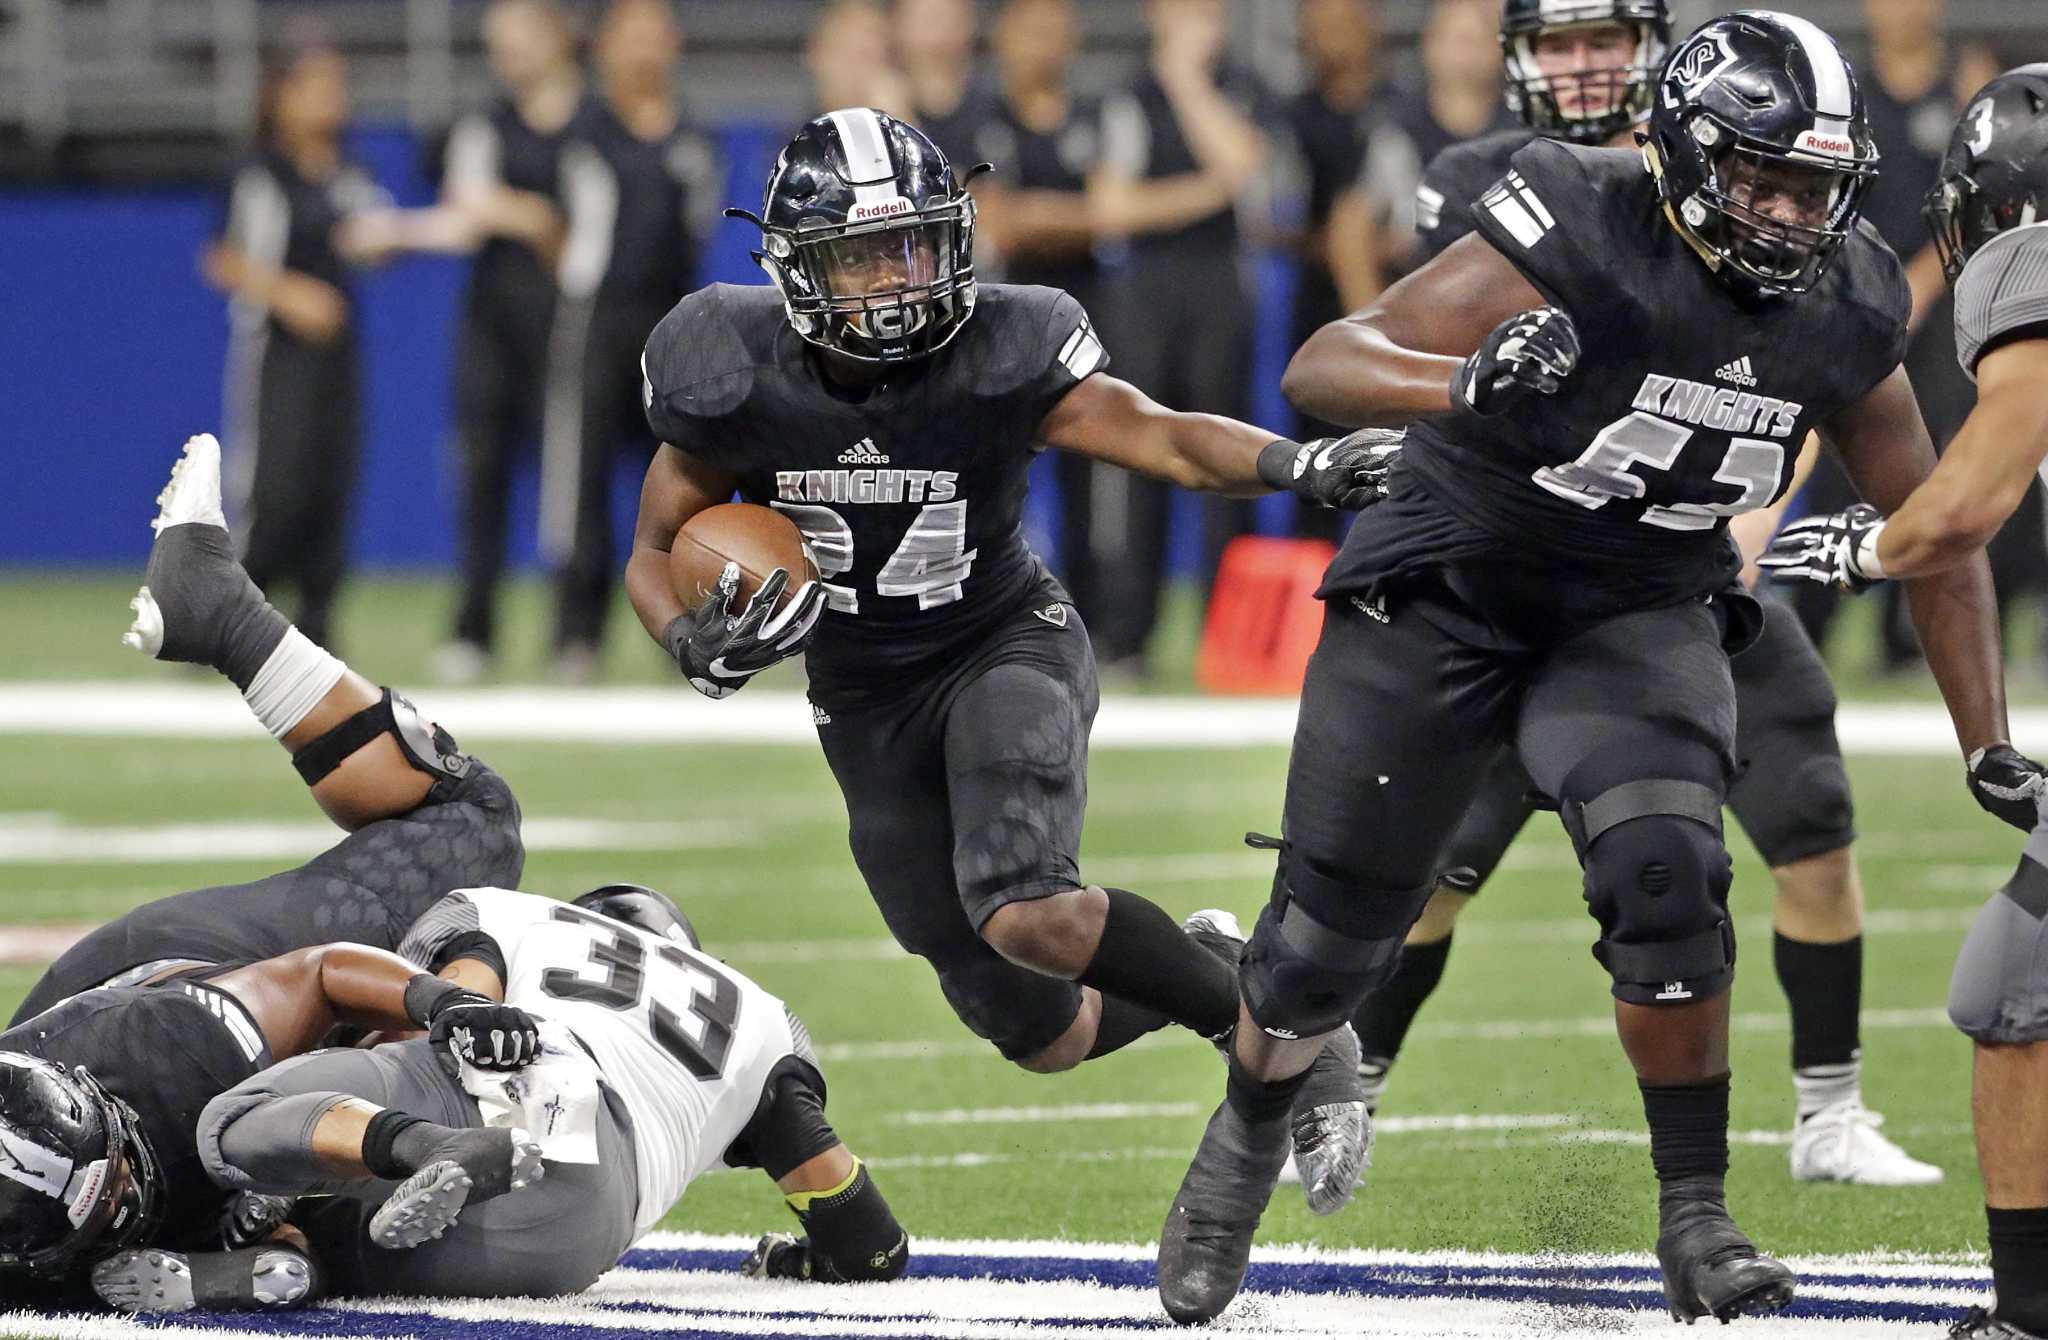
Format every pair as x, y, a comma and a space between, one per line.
586, 190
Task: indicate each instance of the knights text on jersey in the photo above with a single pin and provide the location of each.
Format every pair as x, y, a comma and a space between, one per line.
165, 1050
1686, 407
2002, 291
911, 495
686, 1042
1452, 184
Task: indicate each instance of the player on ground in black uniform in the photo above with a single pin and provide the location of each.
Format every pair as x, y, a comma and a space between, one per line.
1551, 569
1986, 213
892, 411
1585, 72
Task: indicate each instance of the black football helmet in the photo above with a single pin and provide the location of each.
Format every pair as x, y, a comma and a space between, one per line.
1995, 177
649, 909
1534, 96
1761, 149
869, 236
77, 1178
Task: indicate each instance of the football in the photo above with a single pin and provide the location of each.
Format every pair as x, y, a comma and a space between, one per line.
759, 539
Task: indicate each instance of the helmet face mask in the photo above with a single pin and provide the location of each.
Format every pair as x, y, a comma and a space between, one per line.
1761, 150
1596, 102
80, 1180
870, 238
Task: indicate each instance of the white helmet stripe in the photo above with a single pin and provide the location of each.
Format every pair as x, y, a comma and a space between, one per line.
866, 149
1831, 77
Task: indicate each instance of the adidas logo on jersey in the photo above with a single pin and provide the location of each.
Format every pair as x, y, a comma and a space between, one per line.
863, 452
819, 716
1738, 372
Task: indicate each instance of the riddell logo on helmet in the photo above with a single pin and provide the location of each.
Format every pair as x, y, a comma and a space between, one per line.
881, 209
1834, 146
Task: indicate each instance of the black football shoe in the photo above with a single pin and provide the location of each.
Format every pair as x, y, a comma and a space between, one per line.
1981, 1325
1710, 1268
1207, 1241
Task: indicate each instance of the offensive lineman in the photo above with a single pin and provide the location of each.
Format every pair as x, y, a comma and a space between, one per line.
1585, 71
1989, 217
891, 408
658, 1064
1550, 569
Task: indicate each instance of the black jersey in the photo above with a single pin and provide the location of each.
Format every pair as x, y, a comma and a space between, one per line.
497, 146
1143, 138
1687, 406
1058, 159
1452, 184
283, 220
166, 1050
639, 209
911, 495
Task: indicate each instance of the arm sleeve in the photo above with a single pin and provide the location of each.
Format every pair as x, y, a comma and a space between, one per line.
455, 915
2002, 291
590, 198
1070, 352
471, 162
258, 219
1126, 136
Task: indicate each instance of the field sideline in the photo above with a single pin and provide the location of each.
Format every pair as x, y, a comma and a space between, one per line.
1513, 1133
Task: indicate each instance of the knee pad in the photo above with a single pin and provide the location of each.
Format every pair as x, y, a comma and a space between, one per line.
426, 746
1999, 993
1657, 877
1302, 977
1022, 1012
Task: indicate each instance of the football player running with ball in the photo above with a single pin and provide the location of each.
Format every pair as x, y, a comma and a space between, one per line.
1551, 570
1586, 71
1989, 216
891, 407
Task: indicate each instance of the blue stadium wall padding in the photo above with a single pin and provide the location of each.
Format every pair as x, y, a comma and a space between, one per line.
112, 352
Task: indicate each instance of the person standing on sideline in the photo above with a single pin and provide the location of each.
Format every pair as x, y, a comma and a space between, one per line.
850, 62
642, 189
502, 180
294, 394
1181, 147
934, 41
1372, 229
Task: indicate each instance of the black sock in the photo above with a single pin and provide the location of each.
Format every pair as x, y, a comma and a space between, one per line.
1147, 960
230, 626
1385, 1016
1258, 1100
1688, 1131
1123, 1023
2019, 1267
1824, 984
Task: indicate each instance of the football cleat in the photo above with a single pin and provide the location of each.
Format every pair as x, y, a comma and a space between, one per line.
1842, 1143
1207, 1240
1981, 1325
271, 1278
1332, 1127
193, 586
193, 495
472, 1171
775, 1256
1710, 1268
145, 1281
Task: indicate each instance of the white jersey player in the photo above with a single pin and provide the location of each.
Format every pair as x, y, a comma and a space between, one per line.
657, 1064
1989, 211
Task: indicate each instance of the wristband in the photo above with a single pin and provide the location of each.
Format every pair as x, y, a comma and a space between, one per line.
1864, 557
1282, 462
425, 994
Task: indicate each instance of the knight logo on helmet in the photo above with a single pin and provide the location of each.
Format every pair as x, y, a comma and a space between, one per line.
1761, 149
869, 236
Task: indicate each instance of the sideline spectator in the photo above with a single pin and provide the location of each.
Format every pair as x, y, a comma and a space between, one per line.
849, 59
935, 47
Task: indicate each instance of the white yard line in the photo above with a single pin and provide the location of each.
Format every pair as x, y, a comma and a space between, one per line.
656, 715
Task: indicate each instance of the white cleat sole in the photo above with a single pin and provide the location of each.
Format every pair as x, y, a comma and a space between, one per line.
146, 634
427, 1203
193, 495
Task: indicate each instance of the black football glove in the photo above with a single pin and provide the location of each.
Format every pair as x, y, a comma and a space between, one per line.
1834, 549
2009, 784
1347, 472
720, 651
1530, 353
472, 1027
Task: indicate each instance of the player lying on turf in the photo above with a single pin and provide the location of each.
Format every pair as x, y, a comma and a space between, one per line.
1989, 217
658, 1064
1550, 570
423, 817
1585, 72
101, 1095
891, 407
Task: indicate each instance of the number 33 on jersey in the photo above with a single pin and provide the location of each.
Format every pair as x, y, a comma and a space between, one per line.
911, 492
